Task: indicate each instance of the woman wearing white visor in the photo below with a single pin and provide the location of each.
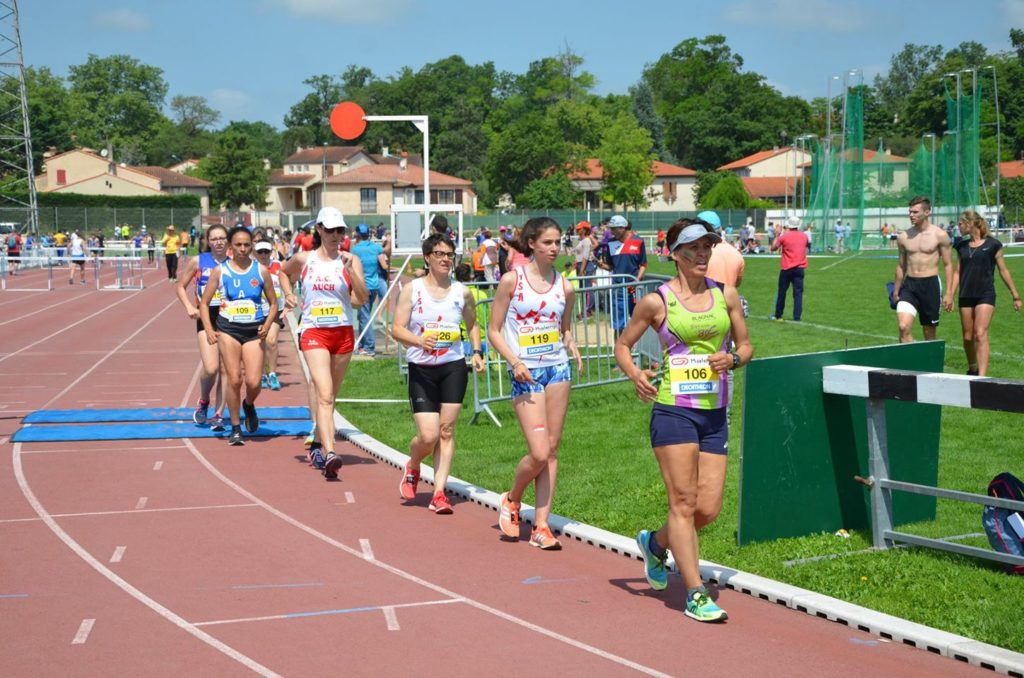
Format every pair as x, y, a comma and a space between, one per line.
696, 318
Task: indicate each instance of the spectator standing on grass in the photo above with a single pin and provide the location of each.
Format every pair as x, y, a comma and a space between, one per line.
696, 320
626, 258
840, 233
792, 266
586, 265
978, 255
917, 289
371, 255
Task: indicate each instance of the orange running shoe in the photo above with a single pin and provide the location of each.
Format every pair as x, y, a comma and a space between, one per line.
410, 480
508, 517
542, 538
440, 504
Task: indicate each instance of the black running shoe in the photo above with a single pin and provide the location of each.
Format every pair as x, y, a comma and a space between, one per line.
331, 466
252, 420
236, 436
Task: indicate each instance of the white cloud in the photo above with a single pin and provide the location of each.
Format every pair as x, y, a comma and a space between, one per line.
346, 11
1013, 11
231, 102
125, 20
829, 15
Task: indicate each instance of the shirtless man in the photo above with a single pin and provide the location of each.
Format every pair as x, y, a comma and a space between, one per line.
917, 290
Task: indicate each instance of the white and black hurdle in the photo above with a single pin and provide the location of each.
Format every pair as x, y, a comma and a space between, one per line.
934, 388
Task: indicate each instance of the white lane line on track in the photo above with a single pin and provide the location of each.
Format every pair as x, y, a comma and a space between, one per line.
158, 465
42, 310
105, 571
364, 546
83, 632
118, 554
326, 613
408, 576
105, 449
107, 355
192, 384
391, 618
79, 322
141, 503
15, 301
34, 374
88, 514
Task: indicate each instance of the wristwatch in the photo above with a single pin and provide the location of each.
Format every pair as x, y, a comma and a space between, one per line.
735, 360
477, 351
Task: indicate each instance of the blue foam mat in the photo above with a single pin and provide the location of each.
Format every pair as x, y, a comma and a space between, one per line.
45, 434
86, 416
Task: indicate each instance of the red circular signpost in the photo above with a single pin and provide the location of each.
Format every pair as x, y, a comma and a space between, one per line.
348, 120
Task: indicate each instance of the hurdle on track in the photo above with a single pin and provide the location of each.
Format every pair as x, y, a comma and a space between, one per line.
127, 273
935, 388
26, 264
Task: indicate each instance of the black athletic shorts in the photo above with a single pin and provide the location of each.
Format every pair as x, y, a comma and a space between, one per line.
214, 314
924, 294
243, 333
431, 385
971, 302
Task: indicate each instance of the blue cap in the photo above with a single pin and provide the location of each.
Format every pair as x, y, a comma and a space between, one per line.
711, 217
362, 230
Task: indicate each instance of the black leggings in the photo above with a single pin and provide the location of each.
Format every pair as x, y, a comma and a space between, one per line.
172, 266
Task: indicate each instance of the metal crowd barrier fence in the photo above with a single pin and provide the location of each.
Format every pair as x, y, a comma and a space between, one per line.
879, 385
30, 271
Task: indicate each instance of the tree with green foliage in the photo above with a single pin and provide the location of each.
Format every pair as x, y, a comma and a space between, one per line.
625, 155
49, 112
554, 191
706, 180
235, 170
264, 138
713, 111
642, 104
728, 193
313, 112
116, 100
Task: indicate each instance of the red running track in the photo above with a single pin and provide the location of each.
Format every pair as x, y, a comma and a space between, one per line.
195, 558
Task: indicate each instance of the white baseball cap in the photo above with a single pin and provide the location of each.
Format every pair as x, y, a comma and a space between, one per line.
330, 217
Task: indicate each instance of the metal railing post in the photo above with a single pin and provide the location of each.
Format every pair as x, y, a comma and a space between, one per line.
878, 467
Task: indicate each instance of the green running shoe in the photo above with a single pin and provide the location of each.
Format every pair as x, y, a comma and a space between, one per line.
703, 609
654, 567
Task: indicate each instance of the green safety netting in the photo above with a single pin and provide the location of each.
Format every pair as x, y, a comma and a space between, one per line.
865, 188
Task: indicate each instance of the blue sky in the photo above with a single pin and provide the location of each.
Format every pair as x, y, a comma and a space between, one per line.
249, 57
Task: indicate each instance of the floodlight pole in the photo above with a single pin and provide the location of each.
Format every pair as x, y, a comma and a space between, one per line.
932, 194
422, 123
999, 149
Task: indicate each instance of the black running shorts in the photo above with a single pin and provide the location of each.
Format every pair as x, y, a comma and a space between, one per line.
431, 385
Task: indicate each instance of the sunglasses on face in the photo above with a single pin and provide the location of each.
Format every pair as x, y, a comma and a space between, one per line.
334, 231
443, 255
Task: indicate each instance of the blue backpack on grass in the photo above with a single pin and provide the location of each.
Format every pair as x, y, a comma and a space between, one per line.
1005, 528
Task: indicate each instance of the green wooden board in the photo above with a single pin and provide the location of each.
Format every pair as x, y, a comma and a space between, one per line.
802, 448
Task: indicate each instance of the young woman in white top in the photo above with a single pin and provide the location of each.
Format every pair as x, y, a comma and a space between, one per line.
427, 321
531, 327
332, 282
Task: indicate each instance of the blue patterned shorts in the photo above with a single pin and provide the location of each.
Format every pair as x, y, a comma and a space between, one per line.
542, 377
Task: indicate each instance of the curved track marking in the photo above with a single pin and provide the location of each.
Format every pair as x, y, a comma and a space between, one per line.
408, 576
135, 593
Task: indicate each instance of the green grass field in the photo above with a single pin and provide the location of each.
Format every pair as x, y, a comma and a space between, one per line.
608, 476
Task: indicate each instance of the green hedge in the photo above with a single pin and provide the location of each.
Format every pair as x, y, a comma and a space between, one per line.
181, 200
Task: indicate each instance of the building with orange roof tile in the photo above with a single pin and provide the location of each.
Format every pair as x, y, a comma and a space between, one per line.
672, 188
